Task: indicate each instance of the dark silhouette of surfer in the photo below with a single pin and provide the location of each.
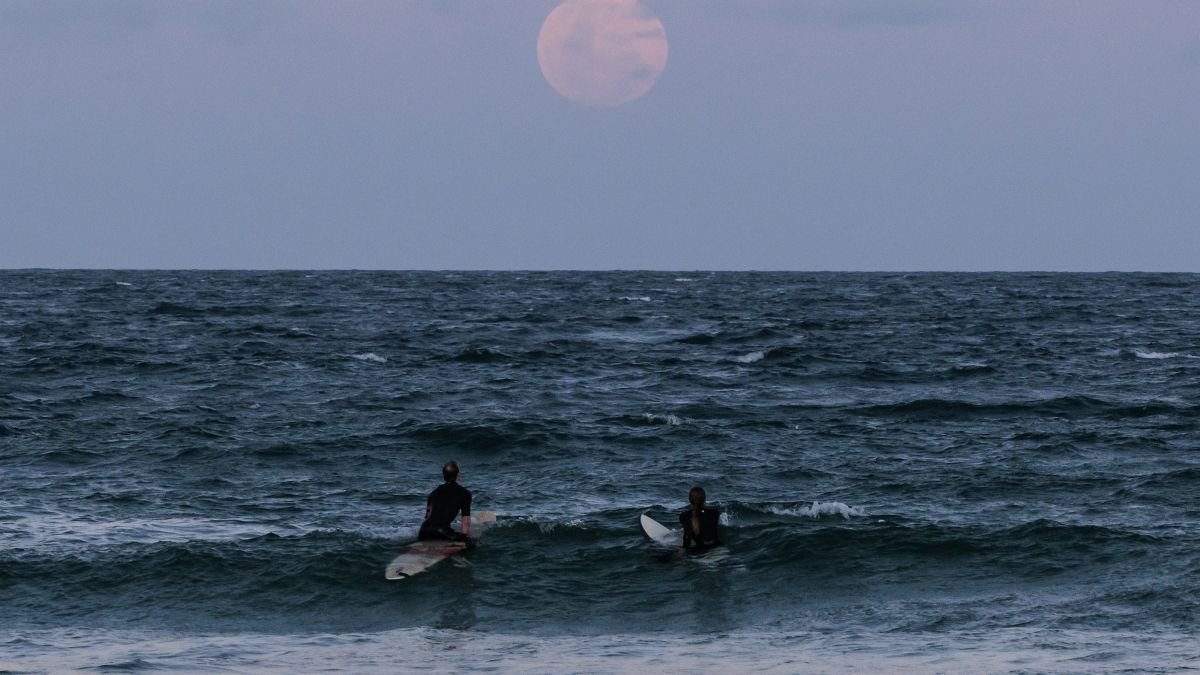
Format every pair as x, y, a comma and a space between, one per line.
699, 524
443, 505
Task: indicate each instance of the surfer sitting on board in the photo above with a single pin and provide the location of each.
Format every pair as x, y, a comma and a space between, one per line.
443, 505
699, 524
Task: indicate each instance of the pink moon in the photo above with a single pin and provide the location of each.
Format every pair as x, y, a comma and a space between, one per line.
602, 52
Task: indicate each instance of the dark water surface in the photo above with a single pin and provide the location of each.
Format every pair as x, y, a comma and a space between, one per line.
922, 471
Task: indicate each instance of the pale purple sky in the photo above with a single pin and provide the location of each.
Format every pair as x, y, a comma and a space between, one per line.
784, 134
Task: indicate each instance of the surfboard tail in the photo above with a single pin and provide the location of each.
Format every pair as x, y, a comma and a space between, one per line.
422, 555
657, 531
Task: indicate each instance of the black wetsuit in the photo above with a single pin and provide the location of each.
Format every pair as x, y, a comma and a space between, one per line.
444, 503
706, 538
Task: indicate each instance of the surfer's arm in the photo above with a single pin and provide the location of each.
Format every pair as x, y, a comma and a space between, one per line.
466, 512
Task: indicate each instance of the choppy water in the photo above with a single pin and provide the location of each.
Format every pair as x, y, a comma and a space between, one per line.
924, 472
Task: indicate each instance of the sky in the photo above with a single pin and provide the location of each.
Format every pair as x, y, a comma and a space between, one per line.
1055, 135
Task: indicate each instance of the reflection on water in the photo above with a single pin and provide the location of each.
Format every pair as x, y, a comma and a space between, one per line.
711, 601
458, 611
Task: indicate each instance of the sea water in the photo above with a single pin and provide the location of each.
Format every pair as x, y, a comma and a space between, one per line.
917, 472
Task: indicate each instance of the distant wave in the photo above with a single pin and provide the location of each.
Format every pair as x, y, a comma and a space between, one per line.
480, 355
369, 356
1172, 480
761, 335
481, 436
813, 510
786, 355
186, 310
1157, 356
959, 371
646, 420
698, 339
259, 330
1062, 405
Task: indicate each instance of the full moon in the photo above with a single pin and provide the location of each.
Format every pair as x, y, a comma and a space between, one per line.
602, 52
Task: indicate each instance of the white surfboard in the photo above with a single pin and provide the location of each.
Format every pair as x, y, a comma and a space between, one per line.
659, 532
422, 555
673, 539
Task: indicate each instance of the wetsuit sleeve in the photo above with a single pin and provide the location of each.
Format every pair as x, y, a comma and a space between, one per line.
428, 511
466, 503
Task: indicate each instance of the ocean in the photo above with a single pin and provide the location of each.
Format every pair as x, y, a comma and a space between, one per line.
935, 472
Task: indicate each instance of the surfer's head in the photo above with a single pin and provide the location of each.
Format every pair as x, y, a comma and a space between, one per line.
696, 497
450, 471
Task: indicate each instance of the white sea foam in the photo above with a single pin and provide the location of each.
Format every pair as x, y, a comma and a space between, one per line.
61, 531
1162, 355
684, 279
122, 283
395, 532
544, 526
635, 298
669, 419
819, 510
369, 356
751, 357
1155, 355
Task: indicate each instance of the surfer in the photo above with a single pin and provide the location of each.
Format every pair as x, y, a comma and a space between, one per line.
699, 524
443, 504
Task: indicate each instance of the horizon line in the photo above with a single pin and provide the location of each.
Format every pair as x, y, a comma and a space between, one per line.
588, 270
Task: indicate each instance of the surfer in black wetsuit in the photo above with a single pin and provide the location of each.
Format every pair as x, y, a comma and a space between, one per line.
699, 524
443, 504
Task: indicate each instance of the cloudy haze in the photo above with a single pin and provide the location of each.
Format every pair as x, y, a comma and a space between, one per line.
835, 134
